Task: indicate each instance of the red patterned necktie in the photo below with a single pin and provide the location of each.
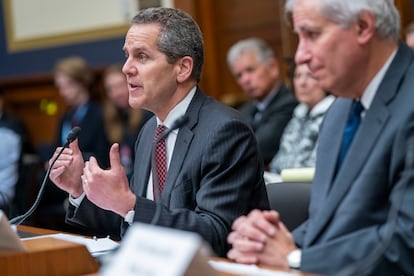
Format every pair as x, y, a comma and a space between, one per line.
160, 160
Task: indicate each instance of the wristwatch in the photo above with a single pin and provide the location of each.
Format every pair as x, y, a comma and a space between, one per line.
294, 258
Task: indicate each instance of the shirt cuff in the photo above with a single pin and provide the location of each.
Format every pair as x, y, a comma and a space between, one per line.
76, 201
294, 258
129, 217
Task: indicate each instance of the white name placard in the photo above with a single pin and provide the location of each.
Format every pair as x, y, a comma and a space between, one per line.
149, 250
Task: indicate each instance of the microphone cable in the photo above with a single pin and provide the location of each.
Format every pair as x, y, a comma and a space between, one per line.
73, 134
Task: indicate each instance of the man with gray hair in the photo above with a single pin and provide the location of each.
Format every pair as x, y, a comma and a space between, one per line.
255, 68
361, 217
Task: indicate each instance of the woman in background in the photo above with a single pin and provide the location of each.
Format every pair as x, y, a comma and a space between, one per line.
299, 140
122, 123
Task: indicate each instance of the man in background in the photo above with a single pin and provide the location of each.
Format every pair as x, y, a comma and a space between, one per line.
255, 68
361, 216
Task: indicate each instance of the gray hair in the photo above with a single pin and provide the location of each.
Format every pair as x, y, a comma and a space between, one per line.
345, 12
262, 49
180, 35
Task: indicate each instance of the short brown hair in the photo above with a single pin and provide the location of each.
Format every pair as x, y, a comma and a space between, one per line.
76, 68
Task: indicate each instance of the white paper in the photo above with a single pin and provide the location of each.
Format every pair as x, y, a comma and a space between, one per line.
94, 246
243, 269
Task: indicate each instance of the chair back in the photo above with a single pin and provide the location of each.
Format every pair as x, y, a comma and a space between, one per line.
291, 200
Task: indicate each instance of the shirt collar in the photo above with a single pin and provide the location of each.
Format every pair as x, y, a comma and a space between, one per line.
372, 88
263, 104
179, 110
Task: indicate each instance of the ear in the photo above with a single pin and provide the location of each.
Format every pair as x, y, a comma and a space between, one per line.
184, 68
273, 67
365, 27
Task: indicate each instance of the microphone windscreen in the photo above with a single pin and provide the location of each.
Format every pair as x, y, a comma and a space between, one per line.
73, 134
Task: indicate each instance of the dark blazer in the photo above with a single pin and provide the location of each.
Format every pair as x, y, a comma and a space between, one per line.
92, 138
274, 119
349, 209
215, 176
92, 141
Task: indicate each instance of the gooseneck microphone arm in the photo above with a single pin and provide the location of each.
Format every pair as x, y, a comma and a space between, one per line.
360, 267
179, 122
73, 134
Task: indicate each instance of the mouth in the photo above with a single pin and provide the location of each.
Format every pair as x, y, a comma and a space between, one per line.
133, 86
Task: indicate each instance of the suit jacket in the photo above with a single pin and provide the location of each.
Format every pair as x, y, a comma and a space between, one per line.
349, 208
275, 117
215, 176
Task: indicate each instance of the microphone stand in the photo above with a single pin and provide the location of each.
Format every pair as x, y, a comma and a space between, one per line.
73, 134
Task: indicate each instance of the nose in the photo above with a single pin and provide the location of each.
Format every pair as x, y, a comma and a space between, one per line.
128, 69
303, 54
244, 78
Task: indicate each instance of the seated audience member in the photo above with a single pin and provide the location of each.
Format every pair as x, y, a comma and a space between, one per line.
14, 141
122, 122
73, 79
409, 35
361, 216
298, 145
256, 70
207, 171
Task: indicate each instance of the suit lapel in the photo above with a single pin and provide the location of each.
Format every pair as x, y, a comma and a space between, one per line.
142, 165
182, 144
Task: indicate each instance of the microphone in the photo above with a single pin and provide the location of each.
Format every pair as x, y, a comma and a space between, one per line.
73, 134
360, 267
179, 122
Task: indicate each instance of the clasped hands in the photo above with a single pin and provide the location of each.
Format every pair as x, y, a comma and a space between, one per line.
260, 238
108, 189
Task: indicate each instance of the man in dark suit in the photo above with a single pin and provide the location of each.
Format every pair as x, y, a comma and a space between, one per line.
254, 65
361, 217
214, 167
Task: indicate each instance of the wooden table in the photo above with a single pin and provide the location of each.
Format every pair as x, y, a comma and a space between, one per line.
26, 231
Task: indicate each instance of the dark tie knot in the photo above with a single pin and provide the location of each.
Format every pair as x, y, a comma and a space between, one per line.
357, 107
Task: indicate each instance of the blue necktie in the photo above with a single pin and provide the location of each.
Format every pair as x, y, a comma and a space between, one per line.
351, 128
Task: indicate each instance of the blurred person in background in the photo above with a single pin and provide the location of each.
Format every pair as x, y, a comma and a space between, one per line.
122, 122
409, 35
298, 144
14, 142
74, 80
256, 70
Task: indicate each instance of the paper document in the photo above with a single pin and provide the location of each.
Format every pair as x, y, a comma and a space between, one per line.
95, 246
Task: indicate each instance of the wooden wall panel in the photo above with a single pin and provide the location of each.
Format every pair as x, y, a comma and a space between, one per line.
24, 97
222, 22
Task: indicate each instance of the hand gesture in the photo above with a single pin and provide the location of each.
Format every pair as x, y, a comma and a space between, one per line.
67, 170
108, 189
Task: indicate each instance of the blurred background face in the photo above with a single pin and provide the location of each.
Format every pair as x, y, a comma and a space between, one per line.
69, 89
256, 79
117, 89
410, 40
307, 89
